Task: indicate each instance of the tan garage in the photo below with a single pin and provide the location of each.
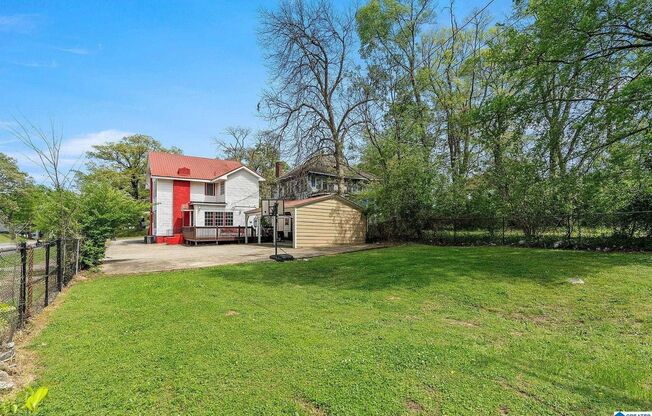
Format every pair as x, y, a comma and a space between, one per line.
326, 221
321, 221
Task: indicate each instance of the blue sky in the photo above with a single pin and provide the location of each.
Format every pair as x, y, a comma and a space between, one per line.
180, 71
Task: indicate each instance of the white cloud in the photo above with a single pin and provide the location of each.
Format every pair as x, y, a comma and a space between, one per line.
79, 145
7, 125
71, 155
36, 64
20, 23
74, 51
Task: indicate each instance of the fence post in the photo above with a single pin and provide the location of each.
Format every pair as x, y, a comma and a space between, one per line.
503, 235
47, 273
454, 232
59, 266
579, 228
77, 258
22, 302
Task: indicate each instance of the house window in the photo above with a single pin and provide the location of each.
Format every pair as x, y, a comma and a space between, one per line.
313, 181
222, 188
210, 218
218, 219
209, 189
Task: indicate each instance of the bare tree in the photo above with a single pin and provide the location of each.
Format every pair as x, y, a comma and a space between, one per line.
235, 146
314, 101
46, 147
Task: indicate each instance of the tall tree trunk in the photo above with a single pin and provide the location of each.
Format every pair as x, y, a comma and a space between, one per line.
135, 183
339, 166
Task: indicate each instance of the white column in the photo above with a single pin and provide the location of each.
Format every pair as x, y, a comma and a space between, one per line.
246, 228
259, 226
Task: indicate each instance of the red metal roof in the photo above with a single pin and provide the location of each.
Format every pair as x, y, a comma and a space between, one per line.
189, 167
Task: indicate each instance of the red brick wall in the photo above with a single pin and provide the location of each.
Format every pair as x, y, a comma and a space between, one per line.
180, 196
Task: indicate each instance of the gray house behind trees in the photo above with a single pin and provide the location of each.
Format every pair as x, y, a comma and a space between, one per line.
318, 176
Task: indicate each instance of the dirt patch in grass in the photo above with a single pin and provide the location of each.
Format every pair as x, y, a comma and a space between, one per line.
522, 392
543, 320
413, 406
504, 410
461, 322
231, 313
311, 407
393, 298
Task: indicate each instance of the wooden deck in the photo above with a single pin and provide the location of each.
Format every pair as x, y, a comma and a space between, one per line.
217, 234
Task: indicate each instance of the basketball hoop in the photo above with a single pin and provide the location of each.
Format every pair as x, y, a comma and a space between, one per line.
273, 207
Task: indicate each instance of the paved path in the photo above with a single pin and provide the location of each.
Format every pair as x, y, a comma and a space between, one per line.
133, 256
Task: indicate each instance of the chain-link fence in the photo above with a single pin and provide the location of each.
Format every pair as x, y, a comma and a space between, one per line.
620, 230
31, 275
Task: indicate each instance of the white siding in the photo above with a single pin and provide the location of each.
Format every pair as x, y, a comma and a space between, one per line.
242, 194
201, 209
197, 193
163, 203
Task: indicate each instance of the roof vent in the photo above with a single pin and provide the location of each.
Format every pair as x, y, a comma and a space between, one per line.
183, 172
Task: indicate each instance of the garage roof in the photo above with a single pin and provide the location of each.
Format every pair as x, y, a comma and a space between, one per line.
295, 203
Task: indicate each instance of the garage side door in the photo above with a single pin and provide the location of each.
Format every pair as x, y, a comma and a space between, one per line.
330, 222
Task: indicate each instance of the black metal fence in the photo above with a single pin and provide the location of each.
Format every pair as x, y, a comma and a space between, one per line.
603, 231
31, 276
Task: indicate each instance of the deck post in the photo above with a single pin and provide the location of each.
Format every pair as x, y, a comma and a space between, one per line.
246, 226
260, 217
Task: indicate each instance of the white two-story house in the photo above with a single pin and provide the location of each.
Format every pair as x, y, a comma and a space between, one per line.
188, 191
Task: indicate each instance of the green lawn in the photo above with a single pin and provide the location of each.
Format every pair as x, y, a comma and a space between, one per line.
406, 330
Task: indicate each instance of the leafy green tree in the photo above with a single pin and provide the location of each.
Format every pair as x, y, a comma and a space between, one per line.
15, 192
124, 163
104, 211
403, 198
55, 213
392, 39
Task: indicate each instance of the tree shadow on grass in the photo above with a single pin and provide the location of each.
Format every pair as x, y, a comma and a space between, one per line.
415, 266
587, 390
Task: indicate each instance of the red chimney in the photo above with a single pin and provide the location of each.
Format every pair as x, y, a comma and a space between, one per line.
279, 169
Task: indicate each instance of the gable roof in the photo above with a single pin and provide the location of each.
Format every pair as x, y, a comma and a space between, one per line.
172, 165
325, 164
295, 203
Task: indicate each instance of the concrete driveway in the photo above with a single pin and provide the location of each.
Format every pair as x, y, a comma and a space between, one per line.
133, 256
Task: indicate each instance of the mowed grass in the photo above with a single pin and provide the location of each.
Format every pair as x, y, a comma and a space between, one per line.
405, 330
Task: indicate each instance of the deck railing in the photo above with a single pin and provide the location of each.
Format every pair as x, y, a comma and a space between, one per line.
224, 233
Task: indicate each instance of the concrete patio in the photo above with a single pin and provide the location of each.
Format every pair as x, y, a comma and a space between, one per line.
133, 256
